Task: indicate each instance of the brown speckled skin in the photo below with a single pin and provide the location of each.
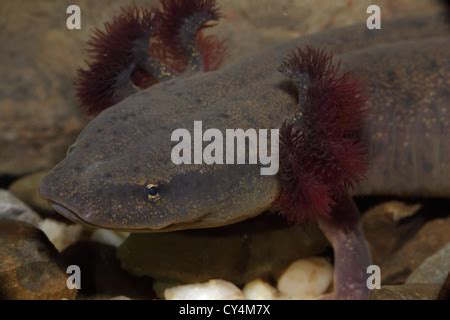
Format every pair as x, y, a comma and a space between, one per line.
408, 130
101, 182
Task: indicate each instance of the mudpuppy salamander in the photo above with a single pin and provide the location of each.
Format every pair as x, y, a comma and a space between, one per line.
119, 173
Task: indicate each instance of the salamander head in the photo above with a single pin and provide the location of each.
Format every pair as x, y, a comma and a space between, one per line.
119, 172
119, 175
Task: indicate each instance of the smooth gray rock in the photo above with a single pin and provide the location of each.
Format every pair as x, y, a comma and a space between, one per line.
406, 292
427, 241
14, 209
434, 269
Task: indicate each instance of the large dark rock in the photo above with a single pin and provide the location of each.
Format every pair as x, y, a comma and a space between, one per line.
238, 253
102, 276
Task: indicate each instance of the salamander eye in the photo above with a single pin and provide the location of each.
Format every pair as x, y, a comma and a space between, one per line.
153, 191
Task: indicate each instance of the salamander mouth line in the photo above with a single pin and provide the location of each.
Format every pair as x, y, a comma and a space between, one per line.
70, 214
73, 216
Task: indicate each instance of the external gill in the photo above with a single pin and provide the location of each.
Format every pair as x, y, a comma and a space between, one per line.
142, 47
321, 157
183, 23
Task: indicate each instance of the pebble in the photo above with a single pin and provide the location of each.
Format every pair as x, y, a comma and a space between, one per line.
406, 292
160, 286
306, 278
113, 238
434, 269
61, 234
212, 290
428, 240
13, 208
120, 298
30, 266
259, 290
382, 228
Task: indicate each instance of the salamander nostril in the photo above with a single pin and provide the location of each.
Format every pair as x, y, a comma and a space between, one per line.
70, 149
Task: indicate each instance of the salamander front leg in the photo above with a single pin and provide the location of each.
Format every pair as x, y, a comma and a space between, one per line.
351, 254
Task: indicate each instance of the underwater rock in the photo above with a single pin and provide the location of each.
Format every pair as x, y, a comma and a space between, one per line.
238, 253
159, 287
30, 266
27, 190
110, 237
306, 279
61, 234
444, 293
287, 18
211, 290
40, 116
14, 209
259, 290
101, 274
381, 227
434, 269
430, 238
120, 298
406, 292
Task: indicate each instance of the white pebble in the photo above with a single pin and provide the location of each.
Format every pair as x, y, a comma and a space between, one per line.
306, 279
160, 286
259, 290
113, 238
211, 290
120, 298
61, 234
